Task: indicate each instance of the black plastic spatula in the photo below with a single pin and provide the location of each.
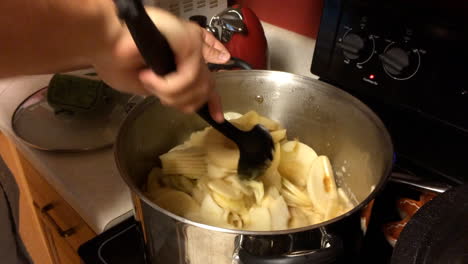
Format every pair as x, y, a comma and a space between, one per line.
256, 146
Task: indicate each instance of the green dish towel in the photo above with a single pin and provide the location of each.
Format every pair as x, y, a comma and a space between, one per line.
76, 94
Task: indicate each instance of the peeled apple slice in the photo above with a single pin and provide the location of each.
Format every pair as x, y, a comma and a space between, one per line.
237, 206
246, 121
210, 212
335, 209
176, 202
179, 183
200, 191
271, 177
302, 197
298, 218
268, 123
273, 192
224, 189
215, 172
235, 220
197, 138
258, 190
296, 159
232, 115
267, 200
221, 151
279, 214
294, 201
321, 185
189, 162
260, 219
312, 216
345, 202
152, 183
278, 135
243, 186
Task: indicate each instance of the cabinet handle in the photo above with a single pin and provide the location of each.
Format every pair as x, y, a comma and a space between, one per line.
45, 213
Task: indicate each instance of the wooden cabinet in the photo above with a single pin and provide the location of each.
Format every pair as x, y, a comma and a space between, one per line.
50, 228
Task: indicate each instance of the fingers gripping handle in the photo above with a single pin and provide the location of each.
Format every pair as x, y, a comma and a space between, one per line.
152, 45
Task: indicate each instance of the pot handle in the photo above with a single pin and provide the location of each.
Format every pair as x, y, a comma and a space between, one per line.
331, 249
233, 63
419, 183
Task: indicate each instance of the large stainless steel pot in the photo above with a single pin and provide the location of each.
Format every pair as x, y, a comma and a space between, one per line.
328, 119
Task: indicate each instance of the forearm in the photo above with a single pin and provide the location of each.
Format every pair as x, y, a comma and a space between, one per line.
45, 36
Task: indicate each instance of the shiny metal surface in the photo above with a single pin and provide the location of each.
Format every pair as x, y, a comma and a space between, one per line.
38, 125
226, 23
419, 183
331, 121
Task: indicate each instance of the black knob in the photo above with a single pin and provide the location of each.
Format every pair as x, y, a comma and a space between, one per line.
200, 20
352, 46
395, 60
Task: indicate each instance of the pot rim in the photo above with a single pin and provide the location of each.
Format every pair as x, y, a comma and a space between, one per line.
150, 100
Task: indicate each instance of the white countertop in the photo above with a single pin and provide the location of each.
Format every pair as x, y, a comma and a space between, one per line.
90, 182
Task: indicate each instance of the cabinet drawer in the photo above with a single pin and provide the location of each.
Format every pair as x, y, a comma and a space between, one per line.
61, 250
54, 210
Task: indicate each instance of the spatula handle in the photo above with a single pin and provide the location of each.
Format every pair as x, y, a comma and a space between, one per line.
154, 47
226, 128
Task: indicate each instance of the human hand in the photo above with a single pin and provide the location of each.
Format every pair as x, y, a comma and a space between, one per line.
189, 87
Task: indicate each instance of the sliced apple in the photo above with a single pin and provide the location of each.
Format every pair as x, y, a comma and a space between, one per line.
221, 151
278, 135
176, 202
279, 214
246, 121
225, 189
197, 138
298, 218
237, 206
215, 172
260, 219
296, 159
189, 162
200, 191
313, 216
235, 220
268, 123
258, 190
294, 201
344, 200
335, 209
210, 212
232, 115
243, 186
321, 185
271, 177
154, 176
181, 183
302, 197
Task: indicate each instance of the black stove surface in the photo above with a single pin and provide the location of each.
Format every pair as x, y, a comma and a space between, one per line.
121, 244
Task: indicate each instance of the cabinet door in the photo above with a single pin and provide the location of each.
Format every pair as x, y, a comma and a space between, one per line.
30, 229
61, 251
55, 211
62, 229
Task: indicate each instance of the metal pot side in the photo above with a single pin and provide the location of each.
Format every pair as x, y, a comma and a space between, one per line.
326, 118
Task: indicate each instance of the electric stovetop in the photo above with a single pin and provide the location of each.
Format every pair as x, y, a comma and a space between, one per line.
121, 244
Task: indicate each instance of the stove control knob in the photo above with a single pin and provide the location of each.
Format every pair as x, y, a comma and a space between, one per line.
399, 63
352, 45
395, 60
